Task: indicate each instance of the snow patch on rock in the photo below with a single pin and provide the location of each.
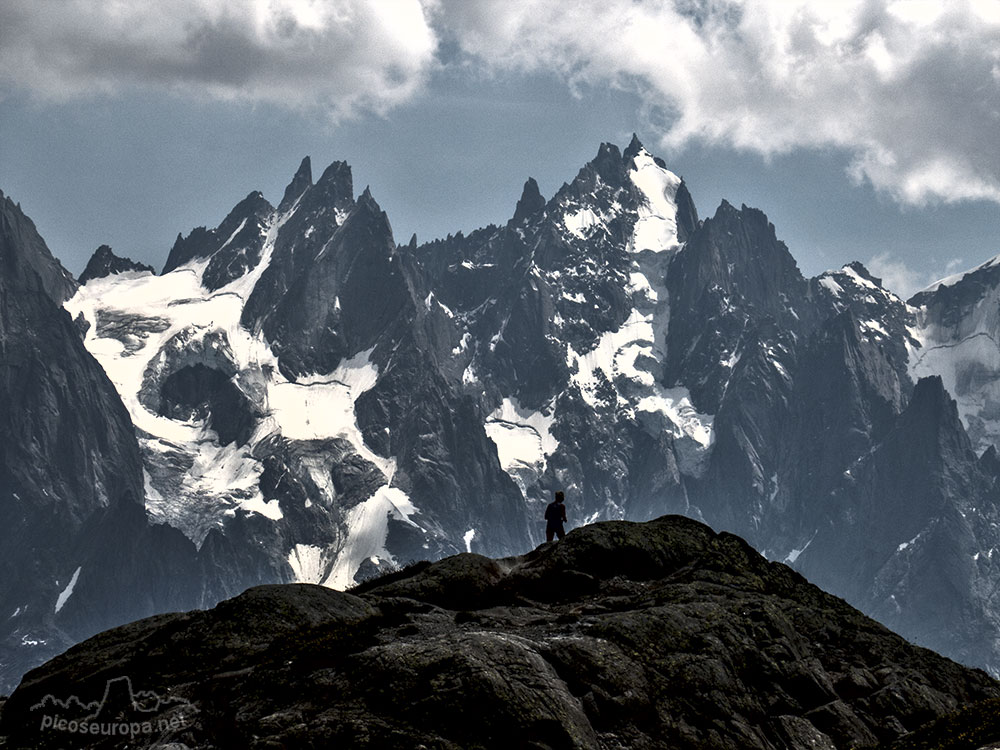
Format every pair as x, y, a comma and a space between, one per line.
629, 359
966, 354
524, 440
322, 406
367, 526
308, 562
955, 278
656, 227
831, 285
580, 222
153, 326
67, 592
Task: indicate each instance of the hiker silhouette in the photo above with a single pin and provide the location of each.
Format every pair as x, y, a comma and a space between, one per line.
555, 517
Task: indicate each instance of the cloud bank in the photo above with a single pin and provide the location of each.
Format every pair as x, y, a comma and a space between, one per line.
342, 56
909, 89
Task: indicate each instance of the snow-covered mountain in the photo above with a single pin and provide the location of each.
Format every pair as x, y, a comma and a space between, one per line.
958, 327
312, 401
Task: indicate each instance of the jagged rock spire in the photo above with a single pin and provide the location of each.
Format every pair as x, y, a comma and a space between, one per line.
530, 203
301, 182
104, 262
634, 147
22, 246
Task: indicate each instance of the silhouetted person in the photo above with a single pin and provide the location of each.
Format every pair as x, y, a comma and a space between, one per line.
555, 517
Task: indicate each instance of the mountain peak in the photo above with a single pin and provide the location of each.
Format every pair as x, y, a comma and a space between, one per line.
104, 251
253, 205
104, 262
301, 182
245, 220
20, 241
367, 205
367, 197
336, 185
929, 393
530, 203
634, 147
608, 163
338, 172
859, 268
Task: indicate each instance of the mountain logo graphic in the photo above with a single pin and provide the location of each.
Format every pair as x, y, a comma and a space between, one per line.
121, 711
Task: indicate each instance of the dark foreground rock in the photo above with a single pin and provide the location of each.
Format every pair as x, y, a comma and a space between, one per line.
975, 726
656, 635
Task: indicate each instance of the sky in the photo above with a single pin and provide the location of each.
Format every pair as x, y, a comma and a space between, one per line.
865, 129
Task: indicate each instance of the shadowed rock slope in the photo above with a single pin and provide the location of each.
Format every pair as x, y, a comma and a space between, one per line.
77, 554
655, 635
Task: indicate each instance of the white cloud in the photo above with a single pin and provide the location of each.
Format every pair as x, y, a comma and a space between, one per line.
900, 278
339, 55
909, 88
954, 265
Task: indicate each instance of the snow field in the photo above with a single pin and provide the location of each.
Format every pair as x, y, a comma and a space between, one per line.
222, 479
523, 439
656, 228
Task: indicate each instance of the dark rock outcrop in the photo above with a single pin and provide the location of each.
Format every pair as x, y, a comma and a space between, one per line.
233, 247
200, 392
104, 262
342, 301
301, 182
530, 202
733, 278
303, 259
20, 234
656, 635
975, 726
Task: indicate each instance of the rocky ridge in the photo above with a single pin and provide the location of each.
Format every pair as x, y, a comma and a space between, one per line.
104, 262
655, 635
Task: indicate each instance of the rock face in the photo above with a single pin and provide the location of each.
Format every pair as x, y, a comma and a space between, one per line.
973, 727
76, 552
104, 263
655, 635
290, 415
957, 322
233, 248
314, 402
19, 231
